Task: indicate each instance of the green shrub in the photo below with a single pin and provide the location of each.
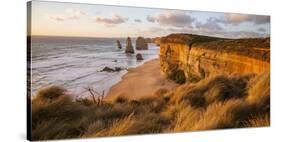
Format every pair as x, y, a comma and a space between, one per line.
178, 76
193, 78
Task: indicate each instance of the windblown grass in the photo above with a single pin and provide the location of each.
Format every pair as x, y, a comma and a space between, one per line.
217, 102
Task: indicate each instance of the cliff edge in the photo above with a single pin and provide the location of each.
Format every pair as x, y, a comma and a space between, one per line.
194, 57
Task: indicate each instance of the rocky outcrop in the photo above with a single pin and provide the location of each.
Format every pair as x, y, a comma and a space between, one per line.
129, 46
201, 56
108, 69
156, 40
141, 44
139, 56
148, 40
118, 44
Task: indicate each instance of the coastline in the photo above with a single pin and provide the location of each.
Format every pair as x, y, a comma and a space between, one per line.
141, 81
210, 96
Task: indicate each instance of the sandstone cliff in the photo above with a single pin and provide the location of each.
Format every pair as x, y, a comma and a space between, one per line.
193, 57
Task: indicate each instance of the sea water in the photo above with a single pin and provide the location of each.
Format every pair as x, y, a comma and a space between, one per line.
75, 63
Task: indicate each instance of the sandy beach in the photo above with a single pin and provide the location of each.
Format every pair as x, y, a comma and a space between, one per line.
141, 81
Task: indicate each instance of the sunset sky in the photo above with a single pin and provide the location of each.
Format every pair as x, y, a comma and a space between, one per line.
70, 19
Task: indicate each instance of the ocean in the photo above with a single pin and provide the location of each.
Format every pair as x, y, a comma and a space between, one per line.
76, 62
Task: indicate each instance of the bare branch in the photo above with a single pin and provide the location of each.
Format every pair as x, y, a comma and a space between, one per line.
97, 97
92, 93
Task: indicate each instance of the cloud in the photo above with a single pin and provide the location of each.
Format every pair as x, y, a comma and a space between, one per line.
235, 34
243, 34
261, 29
74, 13
261, 19
98, 12
137, 20
69, 14
211, 25
182, 22
218, 33
57, 18
158, 31
116, 19
171, 18
236, 19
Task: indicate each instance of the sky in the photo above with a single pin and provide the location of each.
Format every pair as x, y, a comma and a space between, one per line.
88, 20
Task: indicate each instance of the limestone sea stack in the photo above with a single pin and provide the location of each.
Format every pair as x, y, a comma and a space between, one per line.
148, 40
129, 46
139, 56
141, 44
118, 44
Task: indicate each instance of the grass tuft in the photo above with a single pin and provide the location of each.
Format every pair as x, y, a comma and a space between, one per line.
216, 102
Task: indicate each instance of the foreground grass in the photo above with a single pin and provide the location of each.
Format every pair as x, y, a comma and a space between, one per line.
217, 102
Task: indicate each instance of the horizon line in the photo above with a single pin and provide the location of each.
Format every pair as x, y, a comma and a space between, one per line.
139, 36
90, 36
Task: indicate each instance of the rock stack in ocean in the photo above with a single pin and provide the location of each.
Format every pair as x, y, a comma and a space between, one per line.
139, 56
141, 44
118, 44
129, 46
148, 40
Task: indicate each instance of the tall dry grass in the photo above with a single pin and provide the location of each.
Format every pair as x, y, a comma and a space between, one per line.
227, 102
217, 102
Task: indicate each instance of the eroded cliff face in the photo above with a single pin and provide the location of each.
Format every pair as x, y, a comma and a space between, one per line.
200, 56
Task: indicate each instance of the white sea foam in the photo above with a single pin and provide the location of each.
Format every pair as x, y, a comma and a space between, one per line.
76, 63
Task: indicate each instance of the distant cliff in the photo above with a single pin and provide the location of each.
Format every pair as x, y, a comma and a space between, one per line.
156, 40
196, 56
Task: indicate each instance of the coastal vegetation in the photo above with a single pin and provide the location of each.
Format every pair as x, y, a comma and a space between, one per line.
178, 76
217, 102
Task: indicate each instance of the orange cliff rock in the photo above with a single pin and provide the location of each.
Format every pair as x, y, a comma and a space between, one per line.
201, 56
